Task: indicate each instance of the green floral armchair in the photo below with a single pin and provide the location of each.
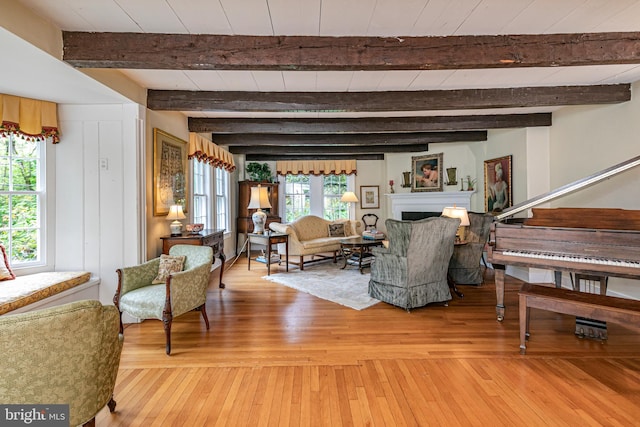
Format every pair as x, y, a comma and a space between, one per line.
180, 293
412, 271
68, 354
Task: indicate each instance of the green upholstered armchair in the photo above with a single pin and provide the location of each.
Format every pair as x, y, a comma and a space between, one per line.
68, 354
464, 267
412, 271
180, 293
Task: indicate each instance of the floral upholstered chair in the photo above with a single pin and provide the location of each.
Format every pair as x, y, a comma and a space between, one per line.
412, 271
465, 268
67, 354
166, 287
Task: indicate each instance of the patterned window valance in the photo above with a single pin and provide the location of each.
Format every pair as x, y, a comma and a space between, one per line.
29, 117
208, 152
316, 167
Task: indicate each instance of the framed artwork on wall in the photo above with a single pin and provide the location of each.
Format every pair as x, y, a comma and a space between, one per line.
427, 172
369, 196
170, 172
497, 184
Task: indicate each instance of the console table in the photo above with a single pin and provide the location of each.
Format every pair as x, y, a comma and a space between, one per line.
211, 238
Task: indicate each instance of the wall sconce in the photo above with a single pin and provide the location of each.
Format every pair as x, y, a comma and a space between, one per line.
259, 200
176, 214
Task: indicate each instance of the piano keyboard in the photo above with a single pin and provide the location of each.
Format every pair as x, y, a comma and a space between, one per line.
572, 258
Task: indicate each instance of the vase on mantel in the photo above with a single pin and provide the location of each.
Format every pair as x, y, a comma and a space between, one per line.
406, 179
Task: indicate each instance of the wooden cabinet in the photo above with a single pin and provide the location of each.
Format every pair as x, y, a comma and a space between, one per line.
244, 222
211, 238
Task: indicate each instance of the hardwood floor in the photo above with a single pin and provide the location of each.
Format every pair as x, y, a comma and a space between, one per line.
277, 357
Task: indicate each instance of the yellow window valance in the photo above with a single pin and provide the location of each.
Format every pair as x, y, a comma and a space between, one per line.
29, 117
206, 151
316, 167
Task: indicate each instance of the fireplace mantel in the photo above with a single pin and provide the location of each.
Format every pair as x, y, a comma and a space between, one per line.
429, 201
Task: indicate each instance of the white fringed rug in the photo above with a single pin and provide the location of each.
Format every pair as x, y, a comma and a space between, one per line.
328, 281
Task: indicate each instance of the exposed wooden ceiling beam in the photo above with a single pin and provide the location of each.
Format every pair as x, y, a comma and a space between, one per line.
327, 149
269, 157
398, 139
367, 124
179, 100
287, 53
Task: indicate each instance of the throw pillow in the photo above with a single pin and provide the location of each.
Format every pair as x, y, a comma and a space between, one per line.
169, 264
5, 268
336, 230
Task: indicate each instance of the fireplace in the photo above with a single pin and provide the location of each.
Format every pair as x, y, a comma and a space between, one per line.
413, 216
427, 202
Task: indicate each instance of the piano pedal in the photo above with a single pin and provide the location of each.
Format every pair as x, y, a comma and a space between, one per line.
590, 328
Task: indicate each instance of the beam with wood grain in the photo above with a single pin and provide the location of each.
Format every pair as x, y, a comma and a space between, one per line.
327, 149
389, 139
324, 53
386, 101
232, 125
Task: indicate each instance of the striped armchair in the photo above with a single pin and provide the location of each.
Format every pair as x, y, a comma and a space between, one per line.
412, 271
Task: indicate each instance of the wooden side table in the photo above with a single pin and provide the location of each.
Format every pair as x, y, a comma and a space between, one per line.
268, 239
211, 238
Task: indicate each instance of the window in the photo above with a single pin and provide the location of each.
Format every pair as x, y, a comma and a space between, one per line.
22, 200
296, 196
316, 195
201, 193
222, 199
210, 198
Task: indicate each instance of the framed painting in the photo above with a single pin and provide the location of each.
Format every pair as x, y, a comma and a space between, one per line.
497, 184
369, 196
170, 172
427, 172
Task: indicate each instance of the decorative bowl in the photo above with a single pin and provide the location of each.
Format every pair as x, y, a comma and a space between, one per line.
194, 228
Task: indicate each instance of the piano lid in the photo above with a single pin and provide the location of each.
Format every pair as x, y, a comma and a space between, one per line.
569, 188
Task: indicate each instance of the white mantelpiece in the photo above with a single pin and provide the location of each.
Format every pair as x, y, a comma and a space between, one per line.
429, 201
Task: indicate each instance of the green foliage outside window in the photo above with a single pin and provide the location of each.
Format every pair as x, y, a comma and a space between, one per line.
19, 198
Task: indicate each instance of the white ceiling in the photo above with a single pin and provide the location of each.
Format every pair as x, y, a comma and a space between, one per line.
355, 18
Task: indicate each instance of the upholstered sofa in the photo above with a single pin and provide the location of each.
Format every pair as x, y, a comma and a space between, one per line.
68, 354
313, 236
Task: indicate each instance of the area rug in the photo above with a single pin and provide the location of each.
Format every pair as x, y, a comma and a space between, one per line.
328, 281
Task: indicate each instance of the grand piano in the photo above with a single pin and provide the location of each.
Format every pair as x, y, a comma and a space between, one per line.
589, 241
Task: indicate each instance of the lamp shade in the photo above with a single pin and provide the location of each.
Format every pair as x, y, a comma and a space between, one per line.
259, 198
349, 197
454, 212
175, 212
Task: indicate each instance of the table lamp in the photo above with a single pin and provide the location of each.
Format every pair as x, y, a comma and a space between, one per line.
176, 214
349, 197
461, 213
259, 200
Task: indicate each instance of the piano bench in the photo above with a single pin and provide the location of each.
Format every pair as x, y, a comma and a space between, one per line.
601, 307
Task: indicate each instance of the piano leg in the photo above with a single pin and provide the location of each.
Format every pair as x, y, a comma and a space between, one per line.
499, 281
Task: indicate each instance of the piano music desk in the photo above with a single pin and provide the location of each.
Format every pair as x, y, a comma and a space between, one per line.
617, 310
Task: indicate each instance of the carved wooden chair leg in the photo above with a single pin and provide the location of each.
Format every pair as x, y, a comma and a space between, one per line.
203, 310
111, 404
167, 318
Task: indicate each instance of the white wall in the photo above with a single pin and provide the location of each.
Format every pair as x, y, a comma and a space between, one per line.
99, 221
586, 140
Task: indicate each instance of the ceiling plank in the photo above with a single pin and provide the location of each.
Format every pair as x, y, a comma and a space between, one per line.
400, 139
275, 157
423, 100
367, 124
327, 149
323, 53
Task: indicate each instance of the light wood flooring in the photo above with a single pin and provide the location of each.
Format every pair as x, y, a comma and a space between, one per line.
278, 357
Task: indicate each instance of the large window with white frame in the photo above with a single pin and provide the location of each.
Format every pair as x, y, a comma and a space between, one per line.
22, 200
315, 195
222, 199
210, 196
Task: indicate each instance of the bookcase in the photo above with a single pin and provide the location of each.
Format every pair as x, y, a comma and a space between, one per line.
244, 223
